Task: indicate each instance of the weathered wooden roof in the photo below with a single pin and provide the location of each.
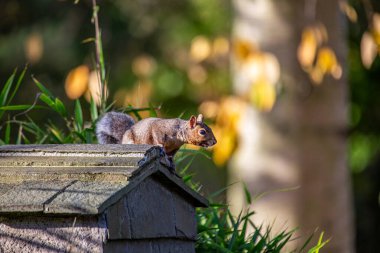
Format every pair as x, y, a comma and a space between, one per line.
79, 179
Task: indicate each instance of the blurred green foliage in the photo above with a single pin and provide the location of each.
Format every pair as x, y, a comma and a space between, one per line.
164, 31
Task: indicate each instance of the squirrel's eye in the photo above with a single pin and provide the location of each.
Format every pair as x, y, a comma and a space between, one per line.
202, 132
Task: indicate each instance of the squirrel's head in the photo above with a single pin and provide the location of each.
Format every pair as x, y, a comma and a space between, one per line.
200, 134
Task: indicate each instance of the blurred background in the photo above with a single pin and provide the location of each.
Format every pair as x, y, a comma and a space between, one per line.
290, 88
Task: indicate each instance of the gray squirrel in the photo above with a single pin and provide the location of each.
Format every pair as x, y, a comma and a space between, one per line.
170, 134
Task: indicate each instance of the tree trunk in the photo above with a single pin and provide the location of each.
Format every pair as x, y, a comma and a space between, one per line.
301, 144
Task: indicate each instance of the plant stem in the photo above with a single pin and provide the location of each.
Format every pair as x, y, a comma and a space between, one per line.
100, 67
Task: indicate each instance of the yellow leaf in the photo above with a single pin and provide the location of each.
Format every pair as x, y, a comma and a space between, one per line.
326, 60
368, 49
76, 82
223, 150
307, 48
263, 95
230, 111
243, 49
320, 32
376, 28
316, 75
349, 11
376, 23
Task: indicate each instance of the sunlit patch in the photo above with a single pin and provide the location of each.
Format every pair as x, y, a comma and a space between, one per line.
94, 89
197, 74
34, 47
349, 11
220, 47
200, 48
143, 66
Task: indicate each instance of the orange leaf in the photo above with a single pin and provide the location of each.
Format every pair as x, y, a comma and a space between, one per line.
307, 48
76, 82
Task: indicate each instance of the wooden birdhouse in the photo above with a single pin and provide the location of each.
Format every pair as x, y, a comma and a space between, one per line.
94, 198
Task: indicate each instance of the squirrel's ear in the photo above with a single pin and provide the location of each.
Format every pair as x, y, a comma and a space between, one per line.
192, 121
200, 118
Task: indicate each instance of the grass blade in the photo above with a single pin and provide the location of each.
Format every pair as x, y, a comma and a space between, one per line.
248, 197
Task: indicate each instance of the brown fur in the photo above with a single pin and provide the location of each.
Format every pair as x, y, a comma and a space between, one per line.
170, 134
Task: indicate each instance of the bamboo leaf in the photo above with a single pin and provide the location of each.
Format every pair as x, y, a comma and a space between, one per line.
7, 137
20, 107
93, 110
42, 87
88, 40
19, 135
19, 80
60, 108
78, 116
5, 91
56, 134
47, 100
248, 197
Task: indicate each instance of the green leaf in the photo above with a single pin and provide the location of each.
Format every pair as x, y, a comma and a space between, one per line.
19, 135
20, 107
319, 245
7, 137
47, 100
19, 80
56, 133
152, 111
60, 108
88, 40
78, 116
93, 110
5, 91
248, 197
42, 87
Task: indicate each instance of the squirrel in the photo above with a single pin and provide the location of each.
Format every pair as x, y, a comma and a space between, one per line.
170, 134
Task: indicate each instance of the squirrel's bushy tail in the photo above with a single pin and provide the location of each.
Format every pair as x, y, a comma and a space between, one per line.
112, 126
